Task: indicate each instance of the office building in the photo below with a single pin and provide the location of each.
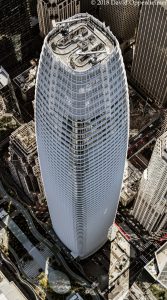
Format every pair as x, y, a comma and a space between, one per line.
149, 68
122, 19
85, 6
150, 208
23, 161
33, 8
82, 117
15, 33
25, 83
51, 11
34, 16
7, 92
120, 259
157, 267
130, 184
2, 107
91, 7
9, 108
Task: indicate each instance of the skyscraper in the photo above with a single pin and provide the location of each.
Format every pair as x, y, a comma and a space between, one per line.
15, 32
150, 208
33, 7
149, 68
91, 7
121, 17
82, 130
57, 10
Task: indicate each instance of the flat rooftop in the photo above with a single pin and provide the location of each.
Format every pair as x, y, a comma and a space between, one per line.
81, 43
26, 80
9, 290
119, 255
131, 180
2, 106
157, 267
24, 136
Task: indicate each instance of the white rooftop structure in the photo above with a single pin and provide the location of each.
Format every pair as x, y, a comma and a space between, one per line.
75, 296
8, 290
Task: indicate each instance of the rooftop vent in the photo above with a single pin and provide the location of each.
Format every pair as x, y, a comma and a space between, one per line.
93, 60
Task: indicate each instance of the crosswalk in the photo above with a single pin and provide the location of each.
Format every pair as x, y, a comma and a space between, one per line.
31, 269
144, 259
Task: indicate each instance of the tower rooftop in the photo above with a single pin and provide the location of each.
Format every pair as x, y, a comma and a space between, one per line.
81, 42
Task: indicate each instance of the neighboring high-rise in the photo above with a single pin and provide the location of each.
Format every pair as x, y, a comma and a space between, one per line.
82, 116
85, 6
25, 83
33, 7
121, 17
57, 10
7, 92
90, 7
15, 33
150, 208
149, 68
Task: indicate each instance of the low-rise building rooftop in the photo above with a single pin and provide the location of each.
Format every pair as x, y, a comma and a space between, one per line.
157, 267
26, 80
120, 257
2, 106
9, 290
131, 181
24, 137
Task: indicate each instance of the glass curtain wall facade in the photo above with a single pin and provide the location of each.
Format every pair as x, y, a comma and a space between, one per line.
82, 114
15, 33
149, 67
122, 18
150, 208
